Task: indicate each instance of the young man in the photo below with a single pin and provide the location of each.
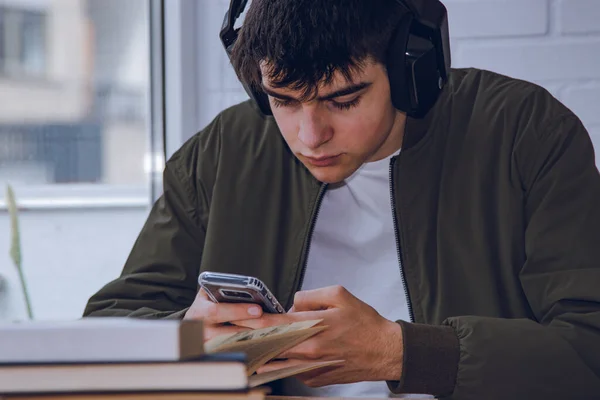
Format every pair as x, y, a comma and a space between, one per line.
452, 254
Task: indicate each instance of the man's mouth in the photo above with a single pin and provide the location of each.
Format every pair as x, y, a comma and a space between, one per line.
322, 161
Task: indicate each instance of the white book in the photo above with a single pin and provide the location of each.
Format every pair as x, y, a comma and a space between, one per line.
100, 339
124, 377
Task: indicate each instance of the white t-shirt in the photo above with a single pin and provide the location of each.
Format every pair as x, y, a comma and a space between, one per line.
354, 245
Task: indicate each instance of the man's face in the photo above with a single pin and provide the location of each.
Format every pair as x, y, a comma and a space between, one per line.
344, 126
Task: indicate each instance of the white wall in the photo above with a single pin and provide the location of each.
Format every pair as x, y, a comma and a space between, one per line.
67, 256
555, 43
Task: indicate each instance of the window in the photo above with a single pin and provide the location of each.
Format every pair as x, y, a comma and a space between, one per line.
76, 144
33, 48
22, 44
84, 118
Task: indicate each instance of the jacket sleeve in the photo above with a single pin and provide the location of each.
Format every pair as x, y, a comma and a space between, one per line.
159, 279
556, 355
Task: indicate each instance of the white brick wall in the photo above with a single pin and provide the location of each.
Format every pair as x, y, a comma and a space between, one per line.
585, 101
487, 19
554, 43
578, 16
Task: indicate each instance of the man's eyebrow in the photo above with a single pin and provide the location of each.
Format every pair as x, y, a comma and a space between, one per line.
346, 91
338, 93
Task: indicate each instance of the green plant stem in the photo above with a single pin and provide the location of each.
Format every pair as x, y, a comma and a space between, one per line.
25, 293
15, 246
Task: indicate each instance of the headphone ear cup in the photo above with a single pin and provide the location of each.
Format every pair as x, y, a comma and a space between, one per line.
423, 74
396, 65
260, 99
413, 70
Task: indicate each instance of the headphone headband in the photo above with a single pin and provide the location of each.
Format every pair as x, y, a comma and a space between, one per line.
228, 32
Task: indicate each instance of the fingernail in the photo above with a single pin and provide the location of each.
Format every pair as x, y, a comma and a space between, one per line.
254, 311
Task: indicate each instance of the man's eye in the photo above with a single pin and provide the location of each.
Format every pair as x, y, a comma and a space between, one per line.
347, 104
282, 103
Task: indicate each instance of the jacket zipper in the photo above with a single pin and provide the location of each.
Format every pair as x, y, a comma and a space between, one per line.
398, 247
310, 233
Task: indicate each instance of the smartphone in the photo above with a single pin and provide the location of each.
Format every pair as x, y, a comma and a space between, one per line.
232, 288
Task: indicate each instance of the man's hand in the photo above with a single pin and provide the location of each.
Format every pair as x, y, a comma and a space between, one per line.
370, 344
215, 315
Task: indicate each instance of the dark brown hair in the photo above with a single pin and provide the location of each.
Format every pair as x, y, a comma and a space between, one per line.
305, 41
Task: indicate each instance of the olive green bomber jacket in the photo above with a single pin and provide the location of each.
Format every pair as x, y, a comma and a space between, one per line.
497, 213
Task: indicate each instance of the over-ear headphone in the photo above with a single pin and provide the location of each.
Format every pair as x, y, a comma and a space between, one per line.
418, 56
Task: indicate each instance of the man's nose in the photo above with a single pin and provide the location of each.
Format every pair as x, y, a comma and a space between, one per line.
314, 130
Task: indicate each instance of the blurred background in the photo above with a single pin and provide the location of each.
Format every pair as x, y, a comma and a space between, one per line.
95, 94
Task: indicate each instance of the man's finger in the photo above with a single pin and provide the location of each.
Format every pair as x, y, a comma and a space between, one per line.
319, 377
202, 294
267, 320
321, 299
314, 377
277, 319
218, 313
275, 365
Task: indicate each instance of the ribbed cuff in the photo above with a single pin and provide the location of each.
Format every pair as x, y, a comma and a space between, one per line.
430, 360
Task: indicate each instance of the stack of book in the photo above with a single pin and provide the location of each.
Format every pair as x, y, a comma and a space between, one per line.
131, 359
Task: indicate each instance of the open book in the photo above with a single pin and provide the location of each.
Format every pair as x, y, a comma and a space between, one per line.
263, 345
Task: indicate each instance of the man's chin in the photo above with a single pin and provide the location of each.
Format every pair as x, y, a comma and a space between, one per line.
331, 175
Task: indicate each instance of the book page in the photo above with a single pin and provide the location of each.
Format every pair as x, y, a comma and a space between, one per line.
260, 351
264, 351
262, 345
218, 343
266, 377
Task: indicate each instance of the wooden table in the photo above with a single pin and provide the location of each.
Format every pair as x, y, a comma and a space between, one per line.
190, 397
154, 396
141, 397
314, 398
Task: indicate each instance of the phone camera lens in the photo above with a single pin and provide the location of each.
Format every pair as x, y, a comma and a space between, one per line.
236, 294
